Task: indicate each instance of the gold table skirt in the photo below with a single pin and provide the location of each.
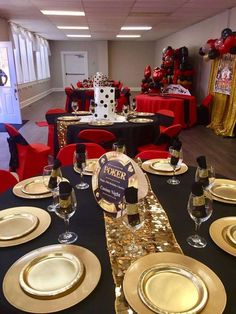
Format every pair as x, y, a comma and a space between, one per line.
156, 235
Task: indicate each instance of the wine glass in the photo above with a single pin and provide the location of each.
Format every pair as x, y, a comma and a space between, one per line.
52, 181
79, 161
133, 223
119, 147
175, 161
74, 106
65, 208
199, 209
205, 176
92, 106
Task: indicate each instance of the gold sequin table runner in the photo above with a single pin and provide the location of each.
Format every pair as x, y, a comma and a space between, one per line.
156, 235
62, 131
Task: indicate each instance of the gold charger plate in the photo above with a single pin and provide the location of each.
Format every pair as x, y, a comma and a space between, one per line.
68, 118
25, 232
89, 168
219, 232
23, 301
140, 120
224, 190
163, 165
35, 187
51, 275
146, 165
20, 186
144, 114
172, 288
100, 123
216, 292
82, 113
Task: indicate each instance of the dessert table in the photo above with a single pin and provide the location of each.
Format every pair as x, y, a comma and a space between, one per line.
183, 106
88, 223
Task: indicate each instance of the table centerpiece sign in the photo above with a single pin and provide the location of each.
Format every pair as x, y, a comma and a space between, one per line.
114, 173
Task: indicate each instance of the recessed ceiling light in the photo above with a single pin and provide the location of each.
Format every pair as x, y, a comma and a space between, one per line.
72, 27
78, 35
136, 28
54, 12
128, 36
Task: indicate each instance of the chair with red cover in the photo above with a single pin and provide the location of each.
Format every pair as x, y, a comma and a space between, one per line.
164, 140
66, 153
7, 180
165, 118
102, 137
50, 116
27, 160
152, 154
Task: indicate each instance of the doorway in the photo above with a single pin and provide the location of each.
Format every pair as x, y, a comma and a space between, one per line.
74, 67
9, 100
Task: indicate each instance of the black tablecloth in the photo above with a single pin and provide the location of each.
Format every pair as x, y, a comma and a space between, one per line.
88, 223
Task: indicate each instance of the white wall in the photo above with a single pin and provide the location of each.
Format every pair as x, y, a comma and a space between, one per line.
4, 30
195, 37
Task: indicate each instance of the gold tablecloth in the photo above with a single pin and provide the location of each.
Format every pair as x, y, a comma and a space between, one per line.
155, 235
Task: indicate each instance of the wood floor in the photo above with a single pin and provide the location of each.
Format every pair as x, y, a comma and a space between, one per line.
199, 140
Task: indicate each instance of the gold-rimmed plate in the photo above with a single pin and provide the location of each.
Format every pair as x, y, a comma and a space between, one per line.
89, 168
27, 223
216, 299
82, 113
35, 186
20, 187
140, 120
143, 114
17, 225
51, 275
101, 123
224, 190
25, 302
163, 165
146, 165
69, 118
172, 288
231, 233
219, 232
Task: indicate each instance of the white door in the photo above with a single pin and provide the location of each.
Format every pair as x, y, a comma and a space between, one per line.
9, 100
74, 67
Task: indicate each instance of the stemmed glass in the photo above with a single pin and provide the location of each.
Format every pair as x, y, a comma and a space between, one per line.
65, 209
199, 209
74, 106
80, 164
52, 186
133, 249
119, 147
205, 176
175, 161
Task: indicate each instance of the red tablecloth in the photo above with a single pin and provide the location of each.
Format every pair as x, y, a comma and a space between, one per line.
183, 106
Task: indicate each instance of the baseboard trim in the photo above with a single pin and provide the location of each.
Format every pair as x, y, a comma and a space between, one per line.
30, 100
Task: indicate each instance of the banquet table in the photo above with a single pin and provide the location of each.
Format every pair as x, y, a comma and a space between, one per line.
88, 223
133, 134
183, 106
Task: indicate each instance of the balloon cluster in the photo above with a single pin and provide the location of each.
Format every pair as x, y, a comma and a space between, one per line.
175, 69
217, 47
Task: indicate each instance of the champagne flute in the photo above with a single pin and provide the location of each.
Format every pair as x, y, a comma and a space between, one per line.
200, 209
175, 161
205, 176
65, 209
51, 179
133, 223
119, 147
79, 161
74, 106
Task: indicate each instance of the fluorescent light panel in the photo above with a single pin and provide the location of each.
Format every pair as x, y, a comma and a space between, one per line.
136, 28
72, 27
78, 35
55, 12
128, 36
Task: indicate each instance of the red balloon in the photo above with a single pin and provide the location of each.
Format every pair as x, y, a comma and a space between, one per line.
157, 75
230, 42
211, 43
223, 49
147, 71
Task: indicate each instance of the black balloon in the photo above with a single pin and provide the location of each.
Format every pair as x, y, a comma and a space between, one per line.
213, 53
201, 52
226, 32
144, 80
184, 51
232, 50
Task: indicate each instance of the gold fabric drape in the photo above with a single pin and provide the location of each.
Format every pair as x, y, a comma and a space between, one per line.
223, 114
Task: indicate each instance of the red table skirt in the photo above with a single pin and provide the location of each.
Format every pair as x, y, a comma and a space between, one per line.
183, 106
